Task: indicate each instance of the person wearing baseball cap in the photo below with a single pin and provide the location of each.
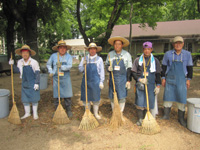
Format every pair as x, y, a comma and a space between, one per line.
177, 70
95, 77
30, 73
64, 65
153, 80
121, 63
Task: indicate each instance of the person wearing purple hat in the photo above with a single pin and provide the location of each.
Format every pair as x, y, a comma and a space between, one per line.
176, 74
153, 71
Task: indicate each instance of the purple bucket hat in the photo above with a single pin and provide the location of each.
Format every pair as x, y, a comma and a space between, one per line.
147, 45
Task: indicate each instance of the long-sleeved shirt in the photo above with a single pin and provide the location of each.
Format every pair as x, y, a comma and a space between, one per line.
66, 63
32, 62
99, 62
184, 56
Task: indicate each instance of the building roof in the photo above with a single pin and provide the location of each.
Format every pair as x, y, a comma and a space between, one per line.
163, 29
77, 44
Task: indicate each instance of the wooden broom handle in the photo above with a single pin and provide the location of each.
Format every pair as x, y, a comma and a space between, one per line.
13, 96
146, 90
112, 75
86, 96
58, 61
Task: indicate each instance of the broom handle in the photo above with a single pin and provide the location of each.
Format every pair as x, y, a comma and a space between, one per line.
58, 77
13, 96
146, 90
86, 96
112, 75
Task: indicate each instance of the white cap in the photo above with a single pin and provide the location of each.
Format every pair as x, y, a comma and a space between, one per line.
178, 39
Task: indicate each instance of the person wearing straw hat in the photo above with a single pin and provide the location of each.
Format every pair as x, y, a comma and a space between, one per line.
95, 77
153, 71
177, 71
121, 67
30, 74
64, 74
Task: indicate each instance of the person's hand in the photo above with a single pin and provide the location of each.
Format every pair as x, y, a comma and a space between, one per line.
36, 87
163, 82
84, 62
157, 90
143, 80
188, 84
101, 86
58, 64
110, 68
128, 85
51, 75
11, 62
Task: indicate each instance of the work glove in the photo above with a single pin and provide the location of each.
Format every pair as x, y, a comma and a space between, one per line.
101, 86
157, 90
110, 68
128, 85
143, 80
11, 62
58, 64
84, 62
36, 87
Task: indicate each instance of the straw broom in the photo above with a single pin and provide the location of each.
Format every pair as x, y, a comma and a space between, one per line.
149, 124
88, 121
60, 116
116, 119
14, 113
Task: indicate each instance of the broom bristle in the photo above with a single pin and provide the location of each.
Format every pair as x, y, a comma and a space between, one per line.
88, 121
149, 125
116, 119
60, 116
14, 115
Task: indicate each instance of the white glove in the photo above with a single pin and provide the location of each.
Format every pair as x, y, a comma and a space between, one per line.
110, 68
144, 80
84, 62
101, 86
157, 90
128, 85
36, 87
11, 62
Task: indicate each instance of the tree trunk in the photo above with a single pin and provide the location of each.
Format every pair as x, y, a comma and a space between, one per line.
130, 20
31, 27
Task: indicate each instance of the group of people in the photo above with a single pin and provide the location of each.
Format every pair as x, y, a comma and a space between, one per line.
175, 75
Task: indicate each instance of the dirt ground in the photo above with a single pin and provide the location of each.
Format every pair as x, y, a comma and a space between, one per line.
42, 134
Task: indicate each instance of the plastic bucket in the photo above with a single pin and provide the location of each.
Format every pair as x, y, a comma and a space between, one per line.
43, 81
193, 116
4, 103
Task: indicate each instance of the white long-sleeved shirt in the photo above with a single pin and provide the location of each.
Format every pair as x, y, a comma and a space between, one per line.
100, 66
34, 64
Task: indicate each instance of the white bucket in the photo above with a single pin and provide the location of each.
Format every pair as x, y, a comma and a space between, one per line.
43, 81
4, 103
193, 116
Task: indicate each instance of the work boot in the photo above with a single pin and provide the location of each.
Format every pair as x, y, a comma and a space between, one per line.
166, 113
68, 106
95, 110
140, 117
122, 106
181, 119
35, 113
27, 112
88, 104
69, 111
144, 112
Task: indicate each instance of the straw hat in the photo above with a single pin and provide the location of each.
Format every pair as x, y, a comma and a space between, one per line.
61, 43
118, 38
93, 45
25, 47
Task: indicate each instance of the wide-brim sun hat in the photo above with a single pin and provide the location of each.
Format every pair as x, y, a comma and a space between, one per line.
25, 47
93, 45
118, 38
61, 43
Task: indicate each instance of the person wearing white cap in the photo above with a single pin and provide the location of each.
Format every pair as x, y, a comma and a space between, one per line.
153, 70
121, 63
95, 77
177, 71
64, 66
30, 74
